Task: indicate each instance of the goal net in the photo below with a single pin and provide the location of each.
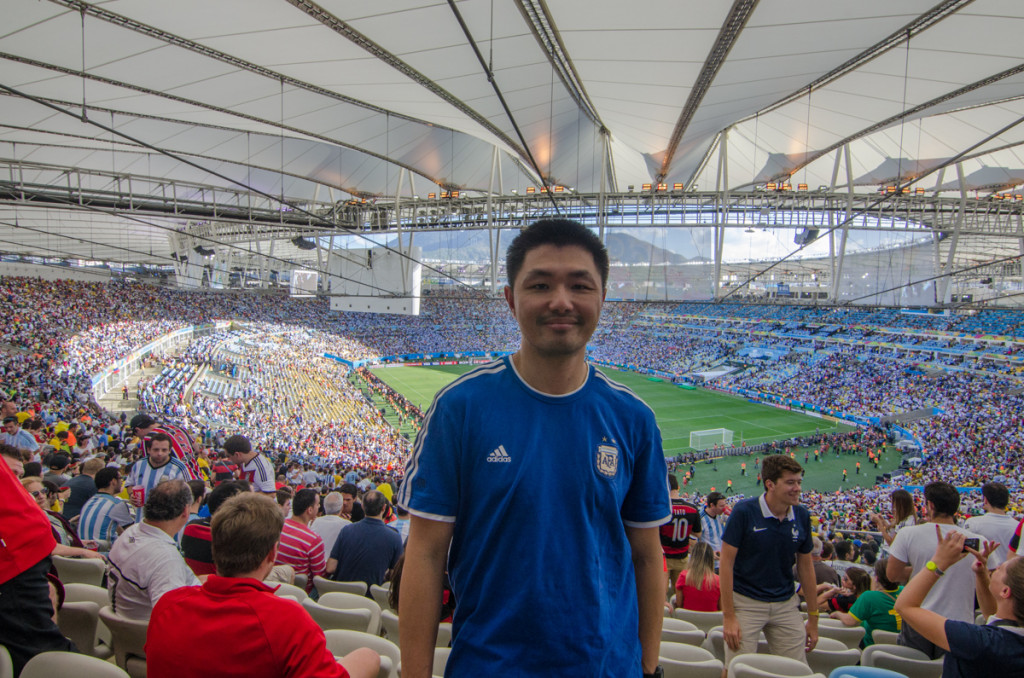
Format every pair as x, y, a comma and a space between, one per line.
702, 440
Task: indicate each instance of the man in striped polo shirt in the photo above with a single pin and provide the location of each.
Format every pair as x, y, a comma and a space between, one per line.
252, 466
104, 516
301, 547
156, 467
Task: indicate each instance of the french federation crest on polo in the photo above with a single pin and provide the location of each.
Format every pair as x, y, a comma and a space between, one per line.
796, 534
607, 460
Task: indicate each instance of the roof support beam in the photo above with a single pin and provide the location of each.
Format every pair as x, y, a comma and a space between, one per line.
727, 36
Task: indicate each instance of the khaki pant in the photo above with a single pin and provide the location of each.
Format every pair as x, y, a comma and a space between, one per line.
675, 566
782, 623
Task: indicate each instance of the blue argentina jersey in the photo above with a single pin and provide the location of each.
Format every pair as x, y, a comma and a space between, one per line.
148, 477
541, 490
101, 516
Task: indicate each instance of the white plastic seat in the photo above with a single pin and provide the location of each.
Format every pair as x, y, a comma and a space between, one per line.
767, 666
440, 660
129, 638
683, 652
329, 586
341, 642
673, 668
823, 659
906, 660
290, 590
705, 621
850, 635
380, 595
79, 621
53, 664
348, 601
354, 619
80, 570
6, 664
880, 637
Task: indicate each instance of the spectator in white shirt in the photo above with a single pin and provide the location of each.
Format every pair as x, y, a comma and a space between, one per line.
995, 526
144, 563
329, 525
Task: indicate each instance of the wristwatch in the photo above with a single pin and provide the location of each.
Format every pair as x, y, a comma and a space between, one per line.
658, 673
930, 565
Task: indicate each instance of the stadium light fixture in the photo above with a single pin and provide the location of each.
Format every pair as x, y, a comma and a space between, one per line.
645, 187
677, 187
531, 189
770, 186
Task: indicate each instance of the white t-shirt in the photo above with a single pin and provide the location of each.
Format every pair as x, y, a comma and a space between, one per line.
952, 596
994, 527
329, 527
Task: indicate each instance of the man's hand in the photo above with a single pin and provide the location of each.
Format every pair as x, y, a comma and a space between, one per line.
812, 633
732, 634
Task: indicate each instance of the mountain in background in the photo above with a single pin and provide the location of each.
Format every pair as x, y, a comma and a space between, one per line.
473, 246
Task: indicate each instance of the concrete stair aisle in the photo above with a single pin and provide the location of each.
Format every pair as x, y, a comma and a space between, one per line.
113, 402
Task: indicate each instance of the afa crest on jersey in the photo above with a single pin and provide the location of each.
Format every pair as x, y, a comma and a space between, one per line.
607, 460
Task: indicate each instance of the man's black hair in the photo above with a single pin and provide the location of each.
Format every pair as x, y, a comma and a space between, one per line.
943, 496
105, 476
997, 495
560, 233
303, 499
223, 492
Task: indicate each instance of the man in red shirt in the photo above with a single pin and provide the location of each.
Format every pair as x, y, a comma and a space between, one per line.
301, 547
676, 534
26, 541
271, 637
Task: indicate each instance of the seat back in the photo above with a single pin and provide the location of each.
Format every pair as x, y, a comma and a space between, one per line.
673, 668
341, 642
290, 590
389, 622
129, 637
827, 661
348, 601
766, 665
6, 664
51, 664
850, 635
880, 637
440, 660
354, 619
327, 586
683, 652
301, 580
75, 593
691, 637
78, 622
911, 668
79, 570
873, 651
380, 595
705, 621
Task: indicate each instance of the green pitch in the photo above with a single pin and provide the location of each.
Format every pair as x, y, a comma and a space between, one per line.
680, 411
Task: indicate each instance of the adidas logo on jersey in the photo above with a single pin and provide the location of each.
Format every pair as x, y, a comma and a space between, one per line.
499, 455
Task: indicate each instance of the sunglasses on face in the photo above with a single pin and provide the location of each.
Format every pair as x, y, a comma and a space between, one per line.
38, 493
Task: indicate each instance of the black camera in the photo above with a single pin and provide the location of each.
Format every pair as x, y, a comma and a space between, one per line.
972, 542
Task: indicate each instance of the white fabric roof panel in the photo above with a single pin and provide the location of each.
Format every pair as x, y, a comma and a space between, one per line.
637, 65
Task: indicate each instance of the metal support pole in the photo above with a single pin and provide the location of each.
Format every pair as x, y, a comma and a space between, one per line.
492, 252
721, 215
945, 286
845, 230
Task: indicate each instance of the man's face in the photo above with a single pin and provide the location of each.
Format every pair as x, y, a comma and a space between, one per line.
556, 299
159, 452
11, 427
17, 465
347, 500
787, 489
717, 509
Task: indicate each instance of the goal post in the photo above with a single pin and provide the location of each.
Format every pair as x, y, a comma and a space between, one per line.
702, 440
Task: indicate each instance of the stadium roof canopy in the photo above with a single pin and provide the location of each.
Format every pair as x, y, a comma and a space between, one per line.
239, 102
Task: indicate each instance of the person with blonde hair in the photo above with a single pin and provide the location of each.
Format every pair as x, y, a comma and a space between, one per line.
698, 587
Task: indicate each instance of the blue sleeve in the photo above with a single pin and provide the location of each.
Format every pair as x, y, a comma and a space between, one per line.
735, 527
430, 488
647, 503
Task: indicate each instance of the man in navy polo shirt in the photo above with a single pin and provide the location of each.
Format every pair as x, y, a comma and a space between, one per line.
761, 540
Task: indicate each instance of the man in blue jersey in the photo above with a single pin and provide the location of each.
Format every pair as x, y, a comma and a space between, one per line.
156, 467
762, 539
541, 484
105, 516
